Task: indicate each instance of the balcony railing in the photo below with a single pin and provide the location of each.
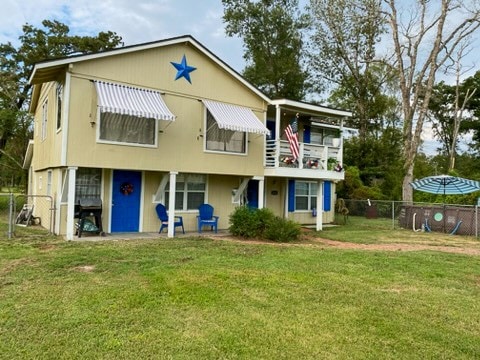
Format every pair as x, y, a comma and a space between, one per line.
312, 156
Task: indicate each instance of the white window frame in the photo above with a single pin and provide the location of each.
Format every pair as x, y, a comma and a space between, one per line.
88, 183
103, 141
44, 120
185, 191
205, 136
311, 194
49, 182
59, 103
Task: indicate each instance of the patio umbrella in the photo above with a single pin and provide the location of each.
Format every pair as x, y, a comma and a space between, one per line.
446, 185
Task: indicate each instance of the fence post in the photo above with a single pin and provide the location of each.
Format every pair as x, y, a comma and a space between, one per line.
11, 205
393, 214
476, 221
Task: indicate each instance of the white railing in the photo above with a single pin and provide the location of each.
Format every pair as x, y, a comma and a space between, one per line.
312, 156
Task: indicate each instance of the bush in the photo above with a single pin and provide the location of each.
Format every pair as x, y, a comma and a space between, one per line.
282, 230
249, 223
262, 223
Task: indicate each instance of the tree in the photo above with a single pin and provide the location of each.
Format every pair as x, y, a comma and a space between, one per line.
425, 35
343, 53
16, 63
448, 112
273, 47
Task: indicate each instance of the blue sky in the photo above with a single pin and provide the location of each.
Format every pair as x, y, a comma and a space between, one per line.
136, 21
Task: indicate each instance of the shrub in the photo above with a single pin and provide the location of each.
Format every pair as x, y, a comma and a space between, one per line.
249, 223
262, 223
282, 230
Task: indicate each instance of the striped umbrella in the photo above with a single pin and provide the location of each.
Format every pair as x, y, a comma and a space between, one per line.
446, 185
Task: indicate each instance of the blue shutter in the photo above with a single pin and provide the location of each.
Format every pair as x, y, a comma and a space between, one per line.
291, 195
306, 134
327, 195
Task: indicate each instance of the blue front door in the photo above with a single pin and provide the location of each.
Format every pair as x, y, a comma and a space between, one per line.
252, 194
126, 190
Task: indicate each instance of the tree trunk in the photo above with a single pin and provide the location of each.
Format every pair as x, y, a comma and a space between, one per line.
407, 190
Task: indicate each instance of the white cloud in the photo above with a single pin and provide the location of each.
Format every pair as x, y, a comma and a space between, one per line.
136, 21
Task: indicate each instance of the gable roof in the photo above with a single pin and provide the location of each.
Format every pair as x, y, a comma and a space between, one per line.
48, 70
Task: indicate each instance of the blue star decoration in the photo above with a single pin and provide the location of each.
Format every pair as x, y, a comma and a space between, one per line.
183, 70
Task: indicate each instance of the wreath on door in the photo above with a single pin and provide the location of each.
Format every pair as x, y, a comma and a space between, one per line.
126, 188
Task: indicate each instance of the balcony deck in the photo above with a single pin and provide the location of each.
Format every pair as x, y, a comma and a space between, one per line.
314, 162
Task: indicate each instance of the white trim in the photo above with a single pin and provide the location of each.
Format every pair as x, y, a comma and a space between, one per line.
65, 118
171, 203
72, 173
261, 193
110, 190
58, 200
311, 107
319, 220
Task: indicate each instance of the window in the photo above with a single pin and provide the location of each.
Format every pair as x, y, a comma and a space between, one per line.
49, 182
321, 136
128, 129
88, 184
190, 192
59, 105
316, 136
44, 120
224, 140
305, 195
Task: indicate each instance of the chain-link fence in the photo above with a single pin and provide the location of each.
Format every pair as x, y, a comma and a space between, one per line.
447, 218
26, 214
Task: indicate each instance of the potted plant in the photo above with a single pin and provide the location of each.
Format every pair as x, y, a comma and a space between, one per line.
336, 138
331, 163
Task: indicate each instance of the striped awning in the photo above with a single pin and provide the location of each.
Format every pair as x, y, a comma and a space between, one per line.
235, 118
127, 100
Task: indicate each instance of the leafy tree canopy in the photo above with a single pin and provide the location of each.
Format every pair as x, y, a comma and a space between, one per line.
271, 31
52, 40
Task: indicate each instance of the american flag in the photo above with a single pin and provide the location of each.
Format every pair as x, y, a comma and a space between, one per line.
292, 136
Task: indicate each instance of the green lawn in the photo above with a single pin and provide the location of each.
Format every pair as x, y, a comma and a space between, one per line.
215, 299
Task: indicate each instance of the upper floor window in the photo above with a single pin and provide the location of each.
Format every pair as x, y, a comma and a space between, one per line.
44, 120
305, 195
127, 129
59, 92
224, 140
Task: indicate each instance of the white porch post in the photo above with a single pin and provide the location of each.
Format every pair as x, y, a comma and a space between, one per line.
278, 118
171, 203
72, 174
261, 193
319, 205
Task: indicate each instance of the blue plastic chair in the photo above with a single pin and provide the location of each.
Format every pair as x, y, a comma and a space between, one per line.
163, 216
206, 218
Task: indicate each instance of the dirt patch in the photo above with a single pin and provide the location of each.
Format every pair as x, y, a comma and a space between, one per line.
84, 268
13, 264
307, 240
46, 247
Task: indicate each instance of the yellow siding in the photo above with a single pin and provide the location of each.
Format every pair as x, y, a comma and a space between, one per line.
48, 151
180, 143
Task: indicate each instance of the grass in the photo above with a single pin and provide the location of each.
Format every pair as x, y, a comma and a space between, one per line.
379, 231
214, 299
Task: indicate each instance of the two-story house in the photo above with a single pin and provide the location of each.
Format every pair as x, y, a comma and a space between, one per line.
169, 122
